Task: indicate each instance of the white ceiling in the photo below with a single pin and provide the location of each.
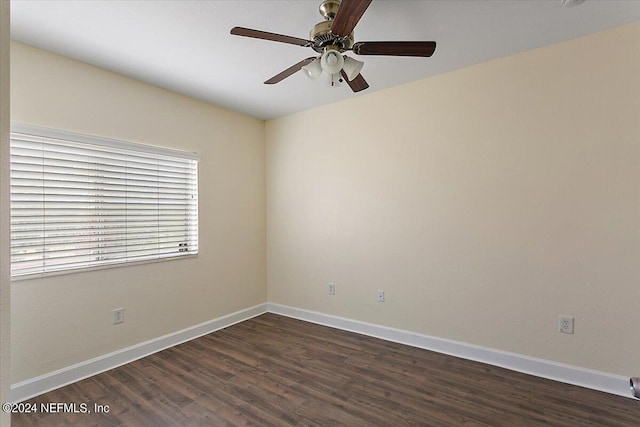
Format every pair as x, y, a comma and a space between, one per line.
185, 46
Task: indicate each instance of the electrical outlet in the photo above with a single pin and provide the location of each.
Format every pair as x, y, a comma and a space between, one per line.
331, 289
118, 315
565, 324
380, 296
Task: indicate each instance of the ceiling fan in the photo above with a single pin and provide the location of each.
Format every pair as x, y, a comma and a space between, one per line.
334, 36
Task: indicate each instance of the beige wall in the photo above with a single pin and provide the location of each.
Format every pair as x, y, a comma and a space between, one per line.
5, 239
485, 202
63, 320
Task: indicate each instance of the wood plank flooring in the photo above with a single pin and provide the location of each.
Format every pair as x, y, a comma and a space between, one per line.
277, 371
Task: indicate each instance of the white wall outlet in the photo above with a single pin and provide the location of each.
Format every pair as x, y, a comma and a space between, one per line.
118, 315
565, 324
380, 295
331, 289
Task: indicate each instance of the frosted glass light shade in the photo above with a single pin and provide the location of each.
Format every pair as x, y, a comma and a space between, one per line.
313, 70
331, 62
352, 67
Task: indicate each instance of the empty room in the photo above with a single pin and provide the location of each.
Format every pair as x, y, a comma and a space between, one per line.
320, 213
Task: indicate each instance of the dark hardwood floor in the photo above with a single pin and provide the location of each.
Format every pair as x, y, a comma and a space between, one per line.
276, 371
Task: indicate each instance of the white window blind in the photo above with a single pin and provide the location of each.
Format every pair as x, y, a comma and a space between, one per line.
85, 204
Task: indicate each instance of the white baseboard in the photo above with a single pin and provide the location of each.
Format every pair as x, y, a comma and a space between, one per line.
53, 380
602, 381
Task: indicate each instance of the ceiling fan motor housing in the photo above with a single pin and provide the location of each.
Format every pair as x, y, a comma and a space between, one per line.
322, 36
321, 33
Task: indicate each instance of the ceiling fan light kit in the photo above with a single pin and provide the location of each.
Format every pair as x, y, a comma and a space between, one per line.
331, 66
331, 38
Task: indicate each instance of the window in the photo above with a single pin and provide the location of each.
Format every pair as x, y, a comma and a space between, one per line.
79, 201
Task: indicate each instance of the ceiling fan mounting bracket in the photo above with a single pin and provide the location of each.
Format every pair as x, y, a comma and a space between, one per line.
329, 8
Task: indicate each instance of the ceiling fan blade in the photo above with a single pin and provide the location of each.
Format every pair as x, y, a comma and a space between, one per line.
357, 84
289, 71
264, 35
349, 13
424, 49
